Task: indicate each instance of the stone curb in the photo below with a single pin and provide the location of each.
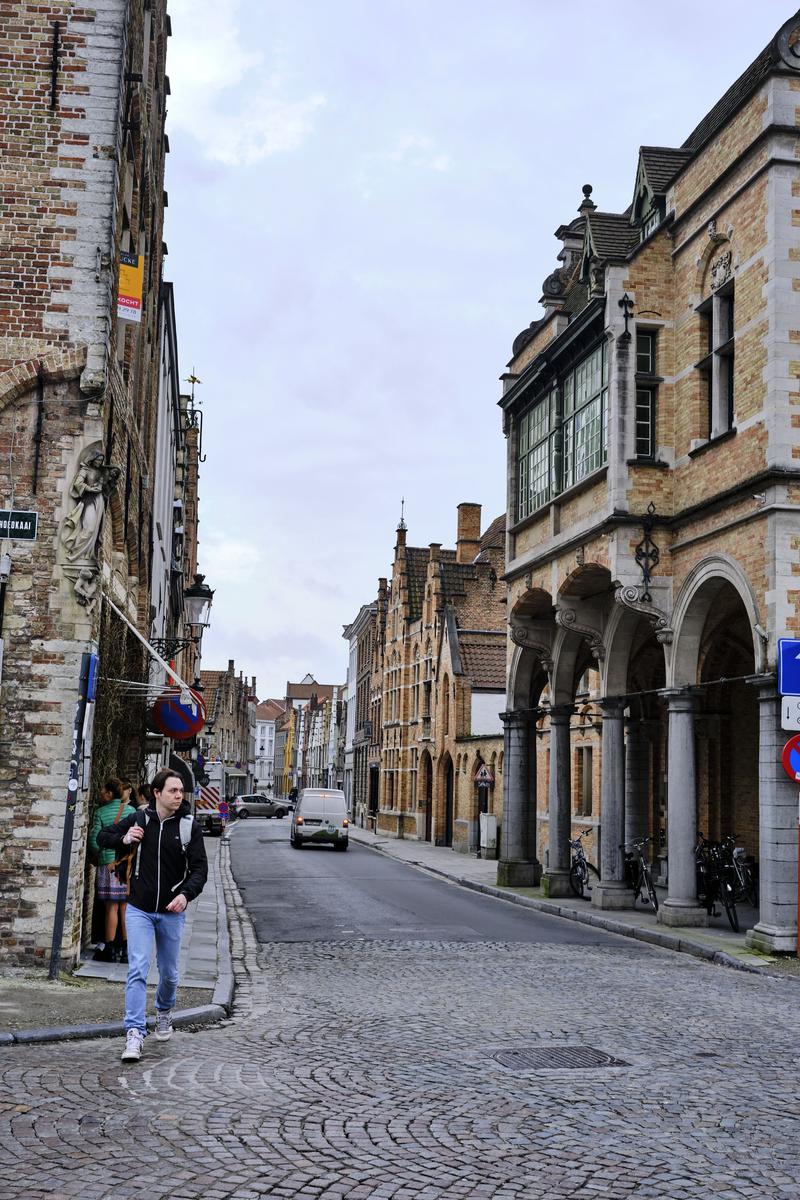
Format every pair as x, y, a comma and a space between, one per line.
655, 937
206, 1014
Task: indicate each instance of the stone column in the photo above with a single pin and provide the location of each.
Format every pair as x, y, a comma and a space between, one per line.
777, 815
637, 779
681, 907
555, 881
611, 891
517, 866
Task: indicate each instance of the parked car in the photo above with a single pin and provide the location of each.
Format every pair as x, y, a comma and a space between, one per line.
320, 817
259, 805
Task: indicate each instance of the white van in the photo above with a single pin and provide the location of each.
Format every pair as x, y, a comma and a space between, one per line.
320, 816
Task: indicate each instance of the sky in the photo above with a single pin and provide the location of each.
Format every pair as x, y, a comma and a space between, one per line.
362, 201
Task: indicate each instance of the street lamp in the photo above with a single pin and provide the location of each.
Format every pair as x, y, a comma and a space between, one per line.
197, 601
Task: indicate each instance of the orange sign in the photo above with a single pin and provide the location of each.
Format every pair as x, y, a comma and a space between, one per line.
131, 279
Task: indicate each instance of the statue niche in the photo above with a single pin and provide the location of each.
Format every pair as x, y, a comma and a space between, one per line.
81, 532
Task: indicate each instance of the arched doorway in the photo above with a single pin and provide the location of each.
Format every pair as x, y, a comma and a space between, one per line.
448, 774
426, 767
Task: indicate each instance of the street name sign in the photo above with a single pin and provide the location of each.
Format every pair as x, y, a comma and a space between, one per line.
17, 525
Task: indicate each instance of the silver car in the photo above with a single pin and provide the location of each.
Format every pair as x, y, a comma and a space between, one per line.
259, 805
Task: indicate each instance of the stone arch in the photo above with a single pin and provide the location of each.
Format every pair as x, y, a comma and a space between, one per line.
532, 629
56, 367
701, 588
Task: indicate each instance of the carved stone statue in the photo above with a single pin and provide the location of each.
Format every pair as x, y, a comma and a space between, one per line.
94, 482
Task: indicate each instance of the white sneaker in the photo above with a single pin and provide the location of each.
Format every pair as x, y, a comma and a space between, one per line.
133, 1046
163, 1026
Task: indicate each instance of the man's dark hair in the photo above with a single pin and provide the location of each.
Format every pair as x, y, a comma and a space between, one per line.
113, 785
161, 778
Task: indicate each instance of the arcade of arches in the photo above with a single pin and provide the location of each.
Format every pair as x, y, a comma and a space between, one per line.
623, 726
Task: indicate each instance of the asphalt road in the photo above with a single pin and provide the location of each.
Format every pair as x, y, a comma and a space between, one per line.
316, 894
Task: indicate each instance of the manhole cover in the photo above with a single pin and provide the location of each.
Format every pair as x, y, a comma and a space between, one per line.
556, 1058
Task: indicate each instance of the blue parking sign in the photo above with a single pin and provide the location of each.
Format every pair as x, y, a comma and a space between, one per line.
789, 666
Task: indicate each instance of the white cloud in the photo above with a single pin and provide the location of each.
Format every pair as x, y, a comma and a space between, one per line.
240, 109
416, 151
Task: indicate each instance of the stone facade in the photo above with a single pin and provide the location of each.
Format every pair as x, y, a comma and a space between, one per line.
653, 491
82, 107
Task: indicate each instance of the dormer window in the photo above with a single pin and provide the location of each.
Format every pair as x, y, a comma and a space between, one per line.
651, 223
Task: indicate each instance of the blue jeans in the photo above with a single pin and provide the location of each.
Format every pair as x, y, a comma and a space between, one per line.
142, 927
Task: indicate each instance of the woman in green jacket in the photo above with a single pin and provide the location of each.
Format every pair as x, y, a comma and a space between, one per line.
110, 890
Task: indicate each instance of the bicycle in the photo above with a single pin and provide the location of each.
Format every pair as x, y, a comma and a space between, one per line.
716, 880
744, 870
580, 866
637, 872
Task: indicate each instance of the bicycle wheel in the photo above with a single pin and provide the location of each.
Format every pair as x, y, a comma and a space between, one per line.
728, 897
651, 891
577, 879
595, 870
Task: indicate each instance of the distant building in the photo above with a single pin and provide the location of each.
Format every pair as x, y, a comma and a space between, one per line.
267, 713
230, 702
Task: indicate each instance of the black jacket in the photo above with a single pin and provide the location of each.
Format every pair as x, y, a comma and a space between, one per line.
161, 870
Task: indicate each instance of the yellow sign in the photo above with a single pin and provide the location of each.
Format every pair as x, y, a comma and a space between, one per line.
131, 279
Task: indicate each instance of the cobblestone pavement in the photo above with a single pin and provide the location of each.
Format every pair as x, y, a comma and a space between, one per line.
368, 1069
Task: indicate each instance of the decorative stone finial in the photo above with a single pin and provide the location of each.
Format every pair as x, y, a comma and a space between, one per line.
587, 205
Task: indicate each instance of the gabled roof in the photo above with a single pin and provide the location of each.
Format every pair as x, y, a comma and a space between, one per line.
483, 658
610, 234
304, 691
269, 710
494, 536
735, 96
661, 164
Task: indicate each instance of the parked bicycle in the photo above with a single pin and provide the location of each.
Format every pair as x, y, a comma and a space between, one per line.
580, 866
744, 869
716, 879
637, 872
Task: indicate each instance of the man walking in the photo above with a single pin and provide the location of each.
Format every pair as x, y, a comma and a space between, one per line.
168, 869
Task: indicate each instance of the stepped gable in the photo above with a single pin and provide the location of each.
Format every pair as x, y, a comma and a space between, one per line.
483, 658
416, 572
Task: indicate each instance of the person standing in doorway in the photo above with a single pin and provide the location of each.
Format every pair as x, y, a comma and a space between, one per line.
169, 870
112, 892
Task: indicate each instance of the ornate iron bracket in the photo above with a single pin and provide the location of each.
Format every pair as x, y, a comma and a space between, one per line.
629, 597
626, 304
567, 618
647, 554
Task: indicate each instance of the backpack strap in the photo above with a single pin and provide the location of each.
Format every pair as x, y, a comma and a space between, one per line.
186, 831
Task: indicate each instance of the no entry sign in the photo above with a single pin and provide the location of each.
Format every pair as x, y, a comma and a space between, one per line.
790, 758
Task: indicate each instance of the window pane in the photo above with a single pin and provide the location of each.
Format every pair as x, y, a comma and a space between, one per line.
540, 475
646, 353
645, 423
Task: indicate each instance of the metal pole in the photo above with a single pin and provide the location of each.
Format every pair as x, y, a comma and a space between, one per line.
69, 817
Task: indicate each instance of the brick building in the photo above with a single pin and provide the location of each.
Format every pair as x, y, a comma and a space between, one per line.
82, 107
440, 642
231, 705
654, 482
360, 635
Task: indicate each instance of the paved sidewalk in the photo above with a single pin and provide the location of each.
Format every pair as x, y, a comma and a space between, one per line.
205, 964
717, 942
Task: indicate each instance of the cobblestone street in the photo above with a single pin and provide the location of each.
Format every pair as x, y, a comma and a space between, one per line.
371, 1069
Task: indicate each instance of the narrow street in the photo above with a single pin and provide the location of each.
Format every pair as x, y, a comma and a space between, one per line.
365, 1059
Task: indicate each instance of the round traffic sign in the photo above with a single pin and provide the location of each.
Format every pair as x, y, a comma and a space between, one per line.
790, 758
177, 720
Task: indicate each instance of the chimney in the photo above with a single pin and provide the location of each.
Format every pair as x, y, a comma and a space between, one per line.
434, 552
468, 541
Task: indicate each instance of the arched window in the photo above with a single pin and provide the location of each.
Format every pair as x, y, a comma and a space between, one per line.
446, 706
